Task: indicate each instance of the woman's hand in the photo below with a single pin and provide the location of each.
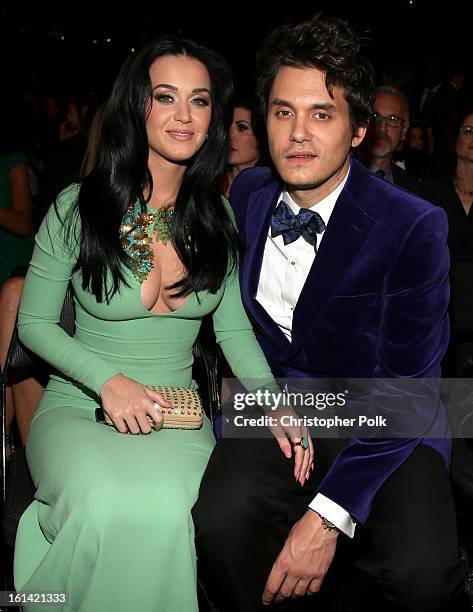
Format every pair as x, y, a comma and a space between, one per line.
289, 436
129, 403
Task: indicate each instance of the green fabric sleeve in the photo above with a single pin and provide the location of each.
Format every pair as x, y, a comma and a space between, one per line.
46, 283
236, 338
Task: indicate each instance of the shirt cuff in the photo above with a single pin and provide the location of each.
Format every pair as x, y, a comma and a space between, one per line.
333, 513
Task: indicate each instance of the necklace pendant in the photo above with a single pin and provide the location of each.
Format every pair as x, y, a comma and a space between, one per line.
136, 236
162, 224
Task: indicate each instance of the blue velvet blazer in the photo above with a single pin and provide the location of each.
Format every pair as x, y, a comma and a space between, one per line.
374, 305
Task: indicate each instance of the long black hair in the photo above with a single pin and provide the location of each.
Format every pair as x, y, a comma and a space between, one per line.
202, 232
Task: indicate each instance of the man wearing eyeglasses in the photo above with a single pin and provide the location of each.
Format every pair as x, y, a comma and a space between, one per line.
386, 131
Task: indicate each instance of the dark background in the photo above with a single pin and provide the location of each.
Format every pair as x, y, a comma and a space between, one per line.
76, 47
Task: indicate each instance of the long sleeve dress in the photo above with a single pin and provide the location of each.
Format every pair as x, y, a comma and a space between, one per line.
111, 520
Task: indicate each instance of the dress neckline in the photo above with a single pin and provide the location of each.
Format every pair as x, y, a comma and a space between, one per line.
170, 313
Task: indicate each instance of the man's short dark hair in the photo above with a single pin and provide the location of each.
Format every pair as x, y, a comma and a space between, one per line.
328, 44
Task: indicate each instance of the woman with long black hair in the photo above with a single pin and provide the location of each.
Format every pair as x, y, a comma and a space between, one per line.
150, 248
247, 143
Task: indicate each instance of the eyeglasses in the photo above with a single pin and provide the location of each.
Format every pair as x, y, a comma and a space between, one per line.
392, 120
467, 130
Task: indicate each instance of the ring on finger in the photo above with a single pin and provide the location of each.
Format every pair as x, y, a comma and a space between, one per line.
304, 442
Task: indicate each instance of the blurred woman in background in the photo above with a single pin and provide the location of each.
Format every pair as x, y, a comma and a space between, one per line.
454, 192
16, 246
245, 143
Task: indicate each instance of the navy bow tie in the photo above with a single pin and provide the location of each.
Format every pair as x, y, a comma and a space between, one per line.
307, 223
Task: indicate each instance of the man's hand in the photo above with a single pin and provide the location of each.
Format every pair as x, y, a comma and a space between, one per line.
303, 562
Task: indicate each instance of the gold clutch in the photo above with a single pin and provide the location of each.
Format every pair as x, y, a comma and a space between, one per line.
186, 411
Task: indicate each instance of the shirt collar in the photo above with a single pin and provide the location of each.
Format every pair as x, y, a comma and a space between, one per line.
388, 171
324, 207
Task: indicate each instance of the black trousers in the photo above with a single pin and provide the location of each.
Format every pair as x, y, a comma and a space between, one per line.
408, 548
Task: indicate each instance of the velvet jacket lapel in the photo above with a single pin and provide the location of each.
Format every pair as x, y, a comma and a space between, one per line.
349, 226
260, 208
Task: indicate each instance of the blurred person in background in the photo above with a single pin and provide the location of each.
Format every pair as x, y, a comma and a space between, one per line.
16, 219
385, 134
63, 162
16, 246
454, 193
246, 143
414, 154
25, 390
93, 141
436, 103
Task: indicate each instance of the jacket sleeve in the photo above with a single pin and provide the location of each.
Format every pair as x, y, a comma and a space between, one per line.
413, 338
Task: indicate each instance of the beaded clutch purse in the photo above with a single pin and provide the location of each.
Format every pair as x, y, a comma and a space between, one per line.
186, 411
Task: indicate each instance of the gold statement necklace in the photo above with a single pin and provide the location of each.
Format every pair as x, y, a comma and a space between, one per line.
136, 235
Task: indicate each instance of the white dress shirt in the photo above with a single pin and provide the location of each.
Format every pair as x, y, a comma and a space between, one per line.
283, 274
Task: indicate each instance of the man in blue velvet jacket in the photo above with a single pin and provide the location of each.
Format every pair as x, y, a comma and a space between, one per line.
343, 275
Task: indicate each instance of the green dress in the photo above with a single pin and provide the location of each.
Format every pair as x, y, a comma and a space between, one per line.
111, 521
14, 250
